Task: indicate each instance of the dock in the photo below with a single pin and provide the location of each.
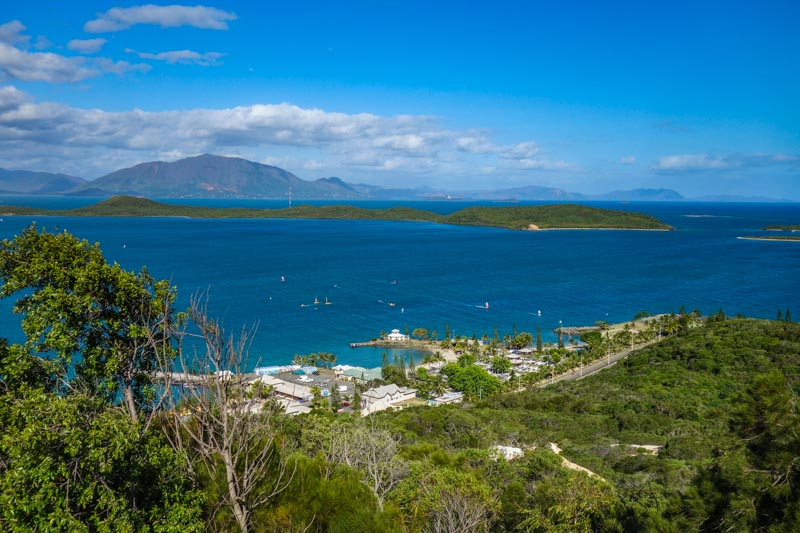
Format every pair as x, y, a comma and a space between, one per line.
361, 344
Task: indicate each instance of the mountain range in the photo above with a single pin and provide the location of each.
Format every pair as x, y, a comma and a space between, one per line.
212, 176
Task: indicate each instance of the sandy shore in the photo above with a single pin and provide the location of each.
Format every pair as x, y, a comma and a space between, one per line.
781, 239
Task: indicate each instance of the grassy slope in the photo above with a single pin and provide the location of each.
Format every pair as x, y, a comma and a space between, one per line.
516, 217
680, 394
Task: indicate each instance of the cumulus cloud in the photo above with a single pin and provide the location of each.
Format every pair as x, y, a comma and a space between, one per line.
49, 67
185, 57
523, 151
122, 18
11, 97
706, 162
86, 46
11, 32
403, 143
42, 66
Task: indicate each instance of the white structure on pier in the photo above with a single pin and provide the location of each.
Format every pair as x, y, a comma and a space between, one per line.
396, 336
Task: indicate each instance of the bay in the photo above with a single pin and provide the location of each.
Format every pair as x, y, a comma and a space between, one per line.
379, 276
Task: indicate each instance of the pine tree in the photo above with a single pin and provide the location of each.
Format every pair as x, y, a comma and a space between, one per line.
447, 330
780, 316
538, 338
335, 399
788, 316
384, 362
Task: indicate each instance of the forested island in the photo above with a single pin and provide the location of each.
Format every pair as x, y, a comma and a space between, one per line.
696, 430
553, 216
777, 227
772, 238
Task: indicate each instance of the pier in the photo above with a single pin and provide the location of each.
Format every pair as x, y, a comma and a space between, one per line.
362, 344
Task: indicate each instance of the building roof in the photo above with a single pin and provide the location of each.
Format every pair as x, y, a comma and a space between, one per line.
286, 388
368, 373
386, 390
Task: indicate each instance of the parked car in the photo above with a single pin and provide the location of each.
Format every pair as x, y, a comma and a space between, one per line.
304, 379
322, 384
316, 372
342, 388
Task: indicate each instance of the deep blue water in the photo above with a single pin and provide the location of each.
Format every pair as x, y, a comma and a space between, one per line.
436, 274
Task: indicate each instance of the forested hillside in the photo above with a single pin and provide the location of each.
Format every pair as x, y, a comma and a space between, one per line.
698, 432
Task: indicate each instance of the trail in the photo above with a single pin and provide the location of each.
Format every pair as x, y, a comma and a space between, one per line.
572, 466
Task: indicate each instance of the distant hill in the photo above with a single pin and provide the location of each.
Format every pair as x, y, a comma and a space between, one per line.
642, 195
27, 182
530, 192
212, 176
738, 198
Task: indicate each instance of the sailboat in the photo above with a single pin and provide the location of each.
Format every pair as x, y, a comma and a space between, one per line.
326, 301
316, 300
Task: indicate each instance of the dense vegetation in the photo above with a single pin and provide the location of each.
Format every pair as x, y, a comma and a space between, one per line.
698, 432
515, 217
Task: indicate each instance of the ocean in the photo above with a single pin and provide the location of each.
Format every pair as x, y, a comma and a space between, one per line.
377, 276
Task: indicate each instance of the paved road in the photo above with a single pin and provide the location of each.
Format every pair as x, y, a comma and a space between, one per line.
596, 366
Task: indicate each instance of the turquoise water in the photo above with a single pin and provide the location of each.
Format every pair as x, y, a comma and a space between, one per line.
437, 274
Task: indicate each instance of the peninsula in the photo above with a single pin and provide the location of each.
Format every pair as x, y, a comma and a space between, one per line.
553, 216
778, 227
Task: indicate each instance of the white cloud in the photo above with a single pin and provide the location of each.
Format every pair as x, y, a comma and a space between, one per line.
11, 98
86, 46
627, 160
691, 162
49, 67
476, 144
42, 66
120, 68
11, 32
122, 18
521, 151
703, 162
341, 142
184, 57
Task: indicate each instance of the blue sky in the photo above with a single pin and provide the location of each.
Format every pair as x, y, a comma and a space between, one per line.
700, 97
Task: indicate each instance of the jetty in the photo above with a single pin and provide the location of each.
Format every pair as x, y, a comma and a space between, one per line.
362, 344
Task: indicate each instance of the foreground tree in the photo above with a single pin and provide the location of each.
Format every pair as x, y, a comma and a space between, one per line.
108, 328
363, 444
216, 420
445, 500
75, 463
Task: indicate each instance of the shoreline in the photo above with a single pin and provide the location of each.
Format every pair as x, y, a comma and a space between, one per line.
597, 229
779, 239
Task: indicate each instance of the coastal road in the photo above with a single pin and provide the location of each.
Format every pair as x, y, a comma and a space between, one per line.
596, 366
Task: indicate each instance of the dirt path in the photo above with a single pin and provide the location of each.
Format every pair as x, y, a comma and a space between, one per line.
569, 464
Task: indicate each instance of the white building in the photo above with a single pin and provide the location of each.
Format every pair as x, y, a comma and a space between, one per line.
384, 397
287, 389
396, 336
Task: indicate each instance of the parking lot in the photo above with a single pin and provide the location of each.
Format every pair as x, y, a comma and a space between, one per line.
324, 381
